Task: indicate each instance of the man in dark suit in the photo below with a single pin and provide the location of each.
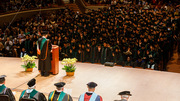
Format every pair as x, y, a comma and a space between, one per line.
44, 53
4, 90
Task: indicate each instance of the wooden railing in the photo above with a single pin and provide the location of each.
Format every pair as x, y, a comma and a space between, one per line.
81, 5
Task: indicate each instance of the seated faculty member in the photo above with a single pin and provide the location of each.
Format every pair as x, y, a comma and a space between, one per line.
31, 93
90, 95
59, 94
125, 95
4, 90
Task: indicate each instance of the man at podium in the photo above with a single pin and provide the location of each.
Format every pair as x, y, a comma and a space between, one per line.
44, 53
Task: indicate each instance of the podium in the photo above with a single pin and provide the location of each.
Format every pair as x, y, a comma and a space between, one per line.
55, 60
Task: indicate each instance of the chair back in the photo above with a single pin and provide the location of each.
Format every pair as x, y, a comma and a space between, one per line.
25, 99
4, 98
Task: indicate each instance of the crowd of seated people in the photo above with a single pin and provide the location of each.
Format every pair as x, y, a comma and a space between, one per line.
114, 2
125, 34
15, 5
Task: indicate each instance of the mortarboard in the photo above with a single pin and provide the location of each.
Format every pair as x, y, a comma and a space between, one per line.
92, 84
60, 84
125, 93
2, 76
31, 83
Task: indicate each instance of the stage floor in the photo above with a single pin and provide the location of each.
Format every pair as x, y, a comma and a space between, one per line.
145, 85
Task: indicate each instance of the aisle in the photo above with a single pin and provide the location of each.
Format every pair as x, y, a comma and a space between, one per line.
174, 64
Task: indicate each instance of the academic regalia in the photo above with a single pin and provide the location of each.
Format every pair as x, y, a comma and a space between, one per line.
118, 58
65, 50
128, 63
90, 96
27, 45
152, 65
5, 90
54, 95
78, 56
88, 55
108, 54
87, 96
124, 93
70, 54
92, 54
59, 96
103, 55
139, 64
32, 93
83, 55
98, 52
45, 47
23, 54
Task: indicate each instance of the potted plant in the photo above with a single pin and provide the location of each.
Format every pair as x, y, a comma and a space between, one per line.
69, 66
29, 63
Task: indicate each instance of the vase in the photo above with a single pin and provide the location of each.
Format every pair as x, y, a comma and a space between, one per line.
69, 73
29, 69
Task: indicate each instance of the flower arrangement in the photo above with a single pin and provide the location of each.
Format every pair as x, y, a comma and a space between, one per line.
28, 61
69, 64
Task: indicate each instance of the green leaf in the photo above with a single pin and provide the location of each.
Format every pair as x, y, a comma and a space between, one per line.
69, 68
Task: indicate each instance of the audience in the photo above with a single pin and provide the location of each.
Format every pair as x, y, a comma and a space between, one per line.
107, 35
90, 95
4, 90
15, 5
23, 52
31, 93
59, 94
152, 64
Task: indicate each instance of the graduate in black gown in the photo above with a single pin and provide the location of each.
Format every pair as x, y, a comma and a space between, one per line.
4, 90
59, 94
98, 51
31, 93
109, 57
88, 53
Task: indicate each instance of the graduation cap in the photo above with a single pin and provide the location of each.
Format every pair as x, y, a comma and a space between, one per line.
92, 84
60, 84
2, 76
125, 93
32, 82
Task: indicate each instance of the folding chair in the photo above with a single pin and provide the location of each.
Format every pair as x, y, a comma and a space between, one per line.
25, 99
4, 98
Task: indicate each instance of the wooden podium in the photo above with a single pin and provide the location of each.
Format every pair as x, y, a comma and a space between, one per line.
55, 60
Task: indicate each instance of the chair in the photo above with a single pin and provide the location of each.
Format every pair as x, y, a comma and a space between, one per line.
25, 99
4, 98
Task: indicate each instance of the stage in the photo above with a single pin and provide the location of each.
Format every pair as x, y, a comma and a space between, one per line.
145, 85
